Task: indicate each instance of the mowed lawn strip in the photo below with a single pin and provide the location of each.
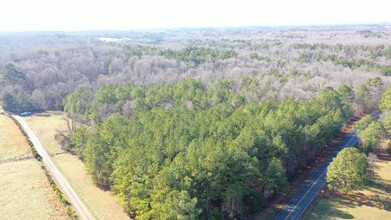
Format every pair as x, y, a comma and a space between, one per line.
373, 202
12, 142
102, 204
25, 192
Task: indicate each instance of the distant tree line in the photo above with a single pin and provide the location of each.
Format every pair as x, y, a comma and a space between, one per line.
38, 70
199, 55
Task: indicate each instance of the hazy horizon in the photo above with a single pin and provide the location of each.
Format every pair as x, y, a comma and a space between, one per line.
88, 15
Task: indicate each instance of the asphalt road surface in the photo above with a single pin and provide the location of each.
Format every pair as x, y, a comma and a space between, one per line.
303, 198
80, 207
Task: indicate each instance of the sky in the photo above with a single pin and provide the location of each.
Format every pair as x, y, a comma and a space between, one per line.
78, 15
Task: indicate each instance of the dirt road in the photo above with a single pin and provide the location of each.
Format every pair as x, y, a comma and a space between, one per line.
80, 207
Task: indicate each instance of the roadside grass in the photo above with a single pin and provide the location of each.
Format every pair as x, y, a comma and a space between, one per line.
44, 126
12, 142
102, 204
25, 192
372, 202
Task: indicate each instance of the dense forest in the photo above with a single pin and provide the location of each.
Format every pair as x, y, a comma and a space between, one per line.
198, 123
38, 70
209, 149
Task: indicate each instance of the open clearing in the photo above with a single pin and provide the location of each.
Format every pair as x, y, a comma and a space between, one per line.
12, 142
24, 189
373, 202
44, 126
102, 204
26, 193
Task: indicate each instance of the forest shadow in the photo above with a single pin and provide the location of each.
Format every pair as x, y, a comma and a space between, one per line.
379, 186
377, 200
329, 210
339, 214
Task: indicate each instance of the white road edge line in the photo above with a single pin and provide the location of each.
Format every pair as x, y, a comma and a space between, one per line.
294, 207
350, 135
346, 145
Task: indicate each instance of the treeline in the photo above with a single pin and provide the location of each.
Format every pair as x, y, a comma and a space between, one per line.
38, 70
199, 55
385, 106
93, 106
186, 151
42, 86
351, 63
371, 132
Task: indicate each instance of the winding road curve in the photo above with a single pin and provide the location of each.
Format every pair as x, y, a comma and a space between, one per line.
306, 194
80, 207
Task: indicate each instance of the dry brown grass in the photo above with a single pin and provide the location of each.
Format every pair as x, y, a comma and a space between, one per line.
102, 204
26, 193
44, 126
12, 141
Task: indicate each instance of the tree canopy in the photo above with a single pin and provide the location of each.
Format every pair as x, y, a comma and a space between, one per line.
385, 102
370, 136
347, 171
205, 123
38, 70
184, 150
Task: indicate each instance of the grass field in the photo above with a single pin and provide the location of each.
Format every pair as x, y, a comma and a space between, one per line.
373, 202
101, 203
26, 193
12, 142
44, 126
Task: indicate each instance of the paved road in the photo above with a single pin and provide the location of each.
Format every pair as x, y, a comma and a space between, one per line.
80, 207
303, 198
300, 201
